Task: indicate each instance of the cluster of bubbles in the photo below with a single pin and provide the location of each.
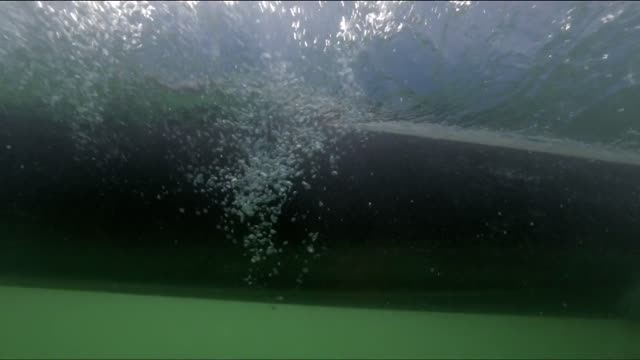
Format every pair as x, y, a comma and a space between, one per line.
77, 59
277, 134
63, 53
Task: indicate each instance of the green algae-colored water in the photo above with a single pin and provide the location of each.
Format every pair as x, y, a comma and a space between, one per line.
47, 323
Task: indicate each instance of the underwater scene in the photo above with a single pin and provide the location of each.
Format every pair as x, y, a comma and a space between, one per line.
319, 180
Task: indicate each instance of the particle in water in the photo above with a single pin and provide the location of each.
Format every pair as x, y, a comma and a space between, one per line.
531, 223
8, 147
310, 249
181, 210
334, 173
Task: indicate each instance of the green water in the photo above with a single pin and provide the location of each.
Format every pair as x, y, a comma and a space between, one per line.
47, 323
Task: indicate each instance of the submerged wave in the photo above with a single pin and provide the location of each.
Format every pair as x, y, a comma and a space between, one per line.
246, 91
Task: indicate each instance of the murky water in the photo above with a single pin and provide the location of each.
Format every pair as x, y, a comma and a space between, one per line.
402, 162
